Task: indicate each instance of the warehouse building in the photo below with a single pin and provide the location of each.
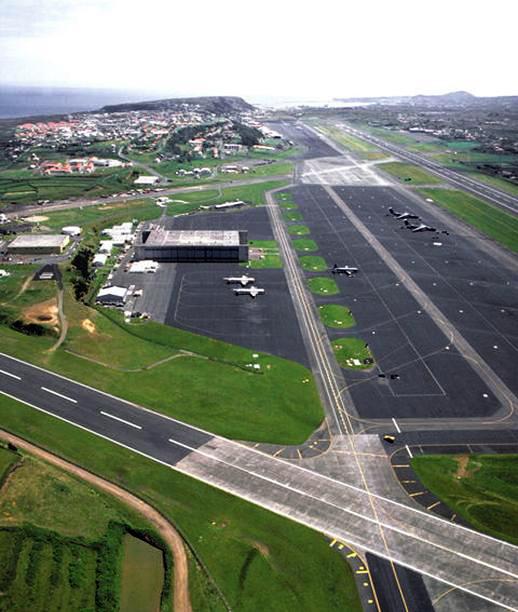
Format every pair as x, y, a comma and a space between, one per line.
39, 244
160, 244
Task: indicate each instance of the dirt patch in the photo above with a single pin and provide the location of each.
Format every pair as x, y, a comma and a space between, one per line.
36, 219
262, 548
44, 313
462, 467
89, 326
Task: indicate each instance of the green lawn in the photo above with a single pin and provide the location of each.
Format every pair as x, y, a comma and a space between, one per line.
260, 560
322, 285
305, 245
495, 181
349, 349
483, 489
408, 173
7, 459
488, 219
292, 215
270, 257
285, 200
53, 539
337, 316
298, 230
24, 187
205, 387
313, 263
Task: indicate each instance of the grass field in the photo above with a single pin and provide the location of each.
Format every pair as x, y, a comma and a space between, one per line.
497, 182
349, 349
483, 489
53, 530
298, 230
270, 255
356, 145
321, 285
142, 577
408, 173
285, 200
313, 263
337, 316
7, 458
292, 215
488, 219
259, 560
24, 187
305, 245
279, 406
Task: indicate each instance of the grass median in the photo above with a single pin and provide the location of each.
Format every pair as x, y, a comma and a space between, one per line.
353, 353
313, 263
489, 220
408, 173
336, 316
321, 285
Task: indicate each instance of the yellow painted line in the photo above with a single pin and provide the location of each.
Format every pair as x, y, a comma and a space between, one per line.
278, 452
362, 571
408, 481
418, 493
365, 584
332, 543
453, 517
401, 465
298, 453
370, 601
351, 555
433, 505
340, 546
362, 567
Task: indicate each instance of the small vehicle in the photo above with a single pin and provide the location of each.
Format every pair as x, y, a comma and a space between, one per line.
389, 438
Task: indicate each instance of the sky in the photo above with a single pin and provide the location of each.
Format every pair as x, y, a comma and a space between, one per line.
271, 48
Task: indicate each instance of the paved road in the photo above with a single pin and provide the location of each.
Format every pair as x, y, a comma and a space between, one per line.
22, 210
496, 196
389, 529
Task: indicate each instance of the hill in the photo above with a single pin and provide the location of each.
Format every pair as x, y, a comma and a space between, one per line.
214, 104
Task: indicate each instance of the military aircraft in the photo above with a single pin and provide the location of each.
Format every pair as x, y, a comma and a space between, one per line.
421, 227
243, 280
252, 291
344, 270
402, 215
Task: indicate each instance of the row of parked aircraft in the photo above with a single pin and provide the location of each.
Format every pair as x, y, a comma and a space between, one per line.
413, 227
247, 285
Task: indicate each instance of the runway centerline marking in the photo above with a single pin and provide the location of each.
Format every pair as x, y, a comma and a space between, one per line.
65, 397
9, 374
116, 418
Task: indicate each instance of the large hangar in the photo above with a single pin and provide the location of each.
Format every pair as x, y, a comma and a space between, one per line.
161, 244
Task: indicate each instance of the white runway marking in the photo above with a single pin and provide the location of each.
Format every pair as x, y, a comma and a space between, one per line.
112, 416
9, 374
69, 399
409, 451
396, 425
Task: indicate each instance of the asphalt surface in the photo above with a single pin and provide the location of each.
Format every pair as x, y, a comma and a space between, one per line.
419, 541
202, 302
496, 196
433, 381
312, 147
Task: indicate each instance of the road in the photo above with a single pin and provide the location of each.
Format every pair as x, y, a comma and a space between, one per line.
493, 195
379, 525
25, 210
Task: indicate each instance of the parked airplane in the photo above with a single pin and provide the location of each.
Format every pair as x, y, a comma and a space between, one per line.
419, 228
402, 215
344, 270
252, 291
243, 280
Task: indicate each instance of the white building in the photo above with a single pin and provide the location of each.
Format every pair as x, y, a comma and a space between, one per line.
71, 230
106, 246
146, 180
99, 260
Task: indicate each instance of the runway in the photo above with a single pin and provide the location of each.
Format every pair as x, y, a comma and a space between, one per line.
341, 510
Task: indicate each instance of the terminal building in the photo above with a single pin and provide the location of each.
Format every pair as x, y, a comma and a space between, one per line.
160, 244
39, 244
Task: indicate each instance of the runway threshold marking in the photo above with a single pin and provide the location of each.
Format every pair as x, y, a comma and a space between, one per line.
116, 418
396, 425
65, 397
9, 374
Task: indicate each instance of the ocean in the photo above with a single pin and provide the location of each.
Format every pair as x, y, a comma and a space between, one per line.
29, 101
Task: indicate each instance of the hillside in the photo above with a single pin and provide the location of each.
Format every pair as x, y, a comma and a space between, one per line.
215, 104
